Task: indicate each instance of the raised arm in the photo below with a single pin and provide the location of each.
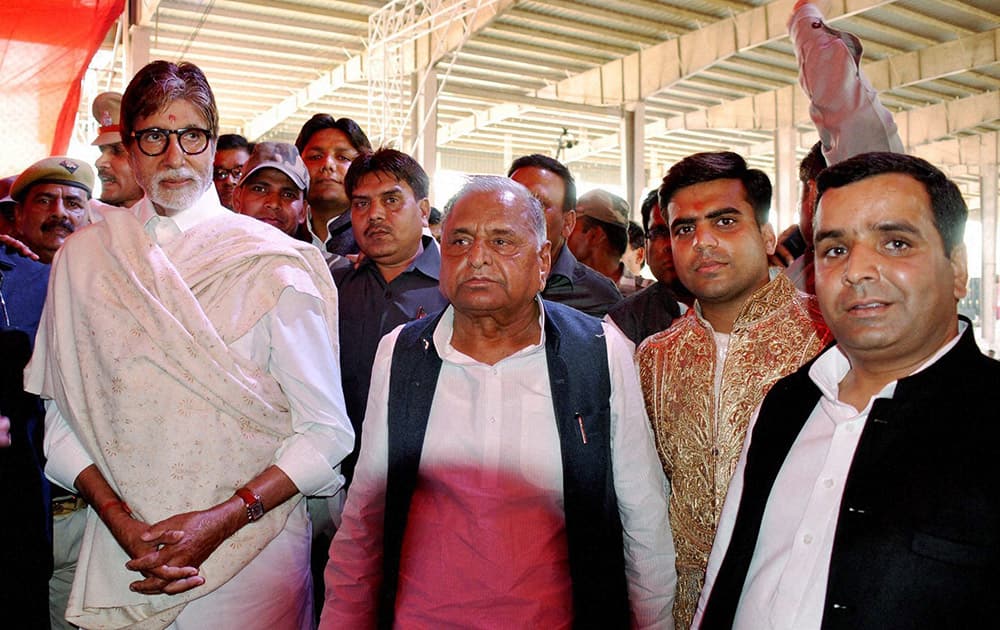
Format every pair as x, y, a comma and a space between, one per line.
844, 106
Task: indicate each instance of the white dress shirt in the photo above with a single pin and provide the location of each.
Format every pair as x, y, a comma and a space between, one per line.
290, 342
785, 586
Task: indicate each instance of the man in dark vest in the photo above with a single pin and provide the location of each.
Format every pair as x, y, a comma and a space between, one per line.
867, 496
506, 475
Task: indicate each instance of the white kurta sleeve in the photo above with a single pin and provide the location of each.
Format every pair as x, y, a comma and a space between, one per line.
642, 491
304, 360
65, 456
354, 571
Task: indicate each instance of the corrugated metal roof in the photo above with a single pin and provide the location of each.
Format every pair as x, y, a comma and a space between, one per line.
261, 57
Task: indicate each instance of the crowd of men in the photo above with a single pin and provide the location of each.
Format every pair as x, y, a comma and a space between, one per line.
246, 385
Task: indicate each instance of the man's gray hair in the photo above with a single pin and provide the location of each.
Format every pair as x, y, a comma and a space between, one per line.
498, 184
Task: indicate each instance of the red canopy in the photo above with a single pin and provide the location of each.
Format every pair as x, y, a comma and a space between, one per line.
45, 47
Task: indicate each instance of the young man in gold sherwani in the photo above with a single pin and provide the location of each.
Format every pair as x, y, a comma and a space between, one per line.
703, 377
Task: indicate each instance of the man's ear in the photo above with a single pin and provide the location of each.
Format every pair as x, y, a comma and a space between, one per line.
238, 200
569, 222
545, 262
425, 210
770, 240
959, 259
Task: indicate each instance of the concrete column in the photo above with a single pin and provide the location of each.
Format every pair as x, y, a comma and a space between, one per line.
633, 136
988, 204
786, 180
136, 50
424, 122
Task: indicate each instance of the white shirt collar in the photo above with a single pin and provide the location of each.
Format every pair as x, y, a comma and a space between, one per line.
206, 207
446, 327
831, 368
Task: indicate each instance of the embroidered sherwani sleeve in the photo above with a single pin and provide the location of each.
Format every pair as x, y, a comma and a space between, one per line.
642, 492
304, 360
724, 532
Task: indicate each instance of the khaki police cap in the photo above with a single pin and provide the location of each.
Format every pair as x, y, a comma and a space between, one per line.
54, 170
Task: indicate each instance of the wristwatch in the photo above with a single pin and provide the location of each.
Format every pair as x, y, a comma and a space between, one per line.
255, 507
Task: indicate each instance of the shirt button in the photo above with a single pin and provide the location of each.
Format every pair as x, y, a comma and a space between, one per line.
492, 419
807, 539
828, 483
849, 427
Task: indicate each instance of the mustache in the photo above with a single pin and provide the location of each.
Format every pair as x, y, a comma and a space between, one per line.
175, 173
710, 260
57, 223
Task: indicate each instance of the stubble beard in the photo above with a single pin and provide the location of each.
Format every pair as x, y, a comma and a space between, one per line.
177, 200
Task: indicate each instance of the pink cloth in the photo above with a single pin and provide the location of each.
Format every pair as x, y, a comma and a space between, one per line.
483, 553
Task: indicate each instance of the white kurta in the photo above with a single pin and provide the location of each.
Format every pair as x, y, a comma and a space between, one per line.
295, 344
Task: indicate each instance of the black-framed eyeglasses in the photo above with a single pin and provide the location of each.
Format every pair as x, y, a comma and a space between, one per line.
154, 141
220, 174
658, 232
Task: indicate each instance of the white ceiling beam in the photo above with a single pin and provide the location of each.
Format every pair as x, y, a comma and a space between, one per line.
637, 76
145, 12
640, 75
936, 122
917, 127
759, 112
428, 49
953, 151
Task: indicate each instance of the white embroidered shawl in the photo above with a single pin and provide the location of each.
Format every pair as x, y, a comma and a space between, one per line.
135, 346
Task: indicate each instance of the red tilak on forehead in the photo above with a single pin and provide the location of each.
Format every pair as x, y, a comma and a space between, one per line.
172, 117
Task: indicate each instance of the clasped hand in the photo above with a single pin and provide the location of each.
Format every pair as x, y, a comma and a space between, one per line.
169, 553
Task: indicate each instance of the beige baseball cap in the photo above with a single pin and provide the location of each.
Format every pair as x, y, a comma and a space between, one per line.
603, 206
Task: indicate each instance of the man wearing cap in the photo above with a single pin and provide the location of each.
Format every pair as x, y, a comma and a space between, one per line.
190, 354
51, 198
51, 202
118, 185
600, 236
273, 187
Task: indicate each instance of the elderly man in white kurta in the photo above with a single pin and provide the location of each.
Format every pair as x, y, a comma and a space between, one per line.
191, 358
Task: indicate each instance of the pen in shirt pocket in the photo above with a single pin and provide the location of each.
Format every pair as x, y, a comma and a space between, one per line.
583, 433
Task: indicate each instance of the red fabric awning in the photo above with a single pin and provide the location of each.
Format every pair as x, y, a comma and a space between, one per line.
45, 47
